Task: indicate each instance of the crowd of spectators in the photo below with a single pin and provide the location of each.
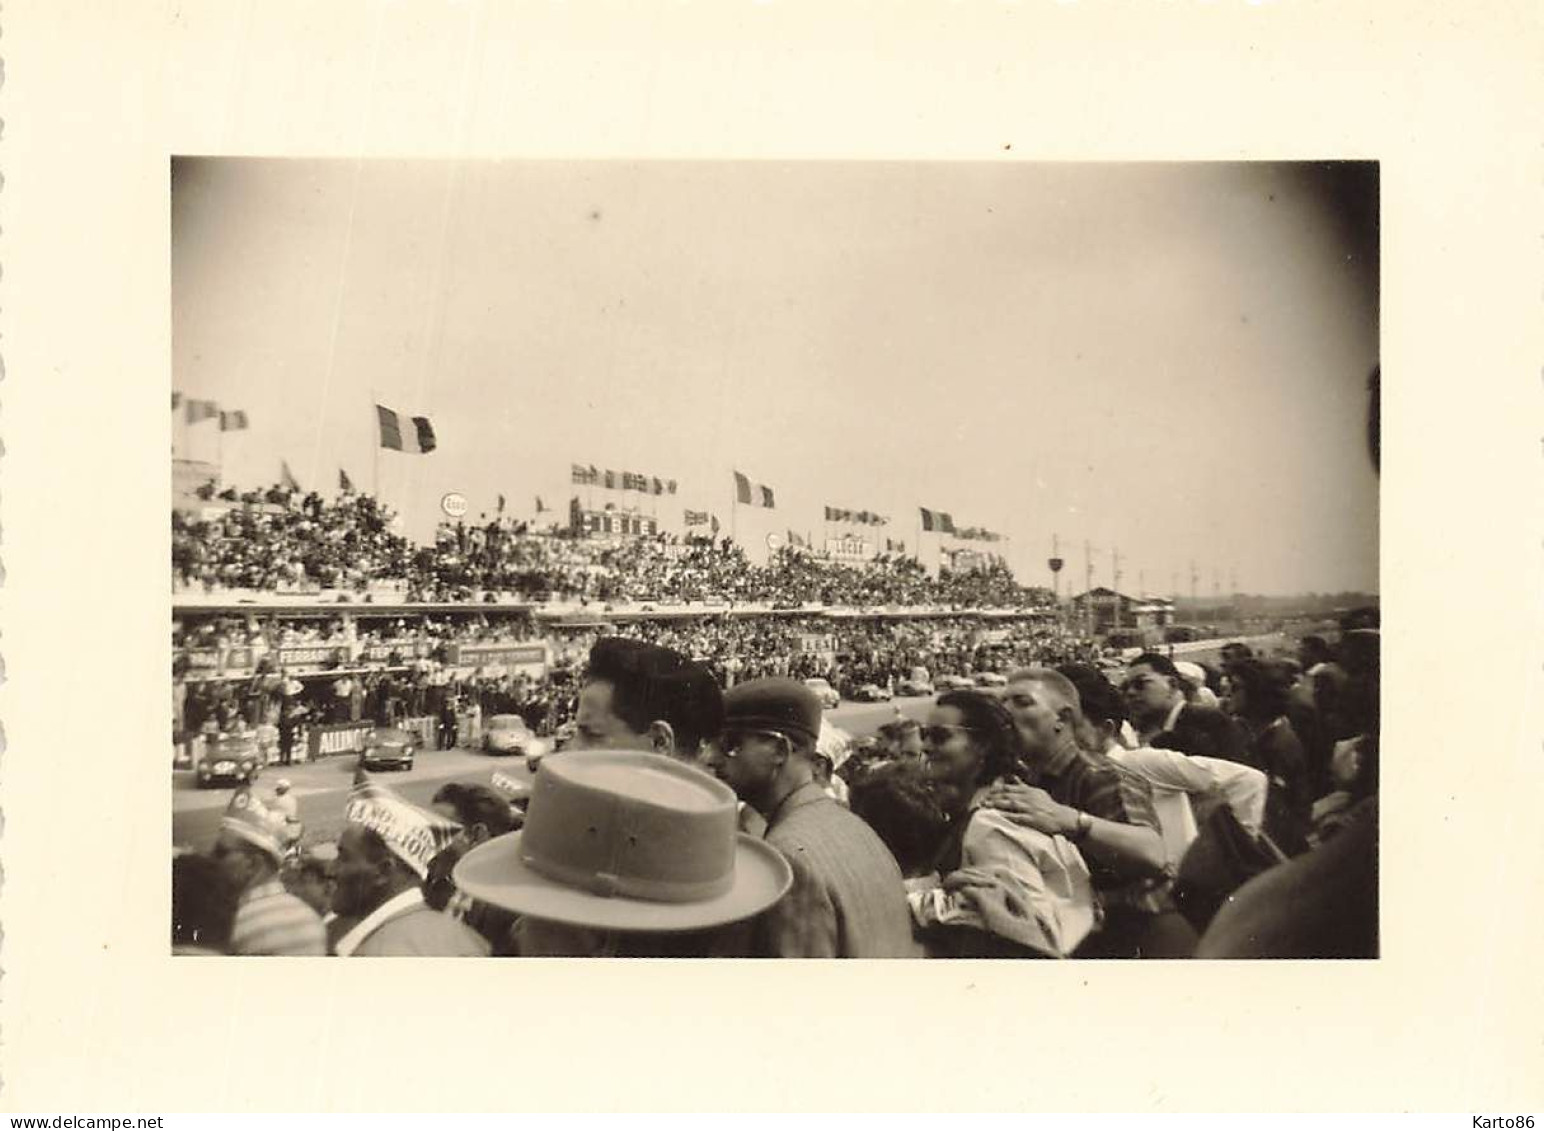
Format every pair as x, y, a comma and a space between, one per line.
279, 540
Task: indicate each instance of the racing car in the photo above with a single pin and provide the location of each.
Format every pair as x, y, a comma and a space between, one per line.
229, 758
387, 748
507, 734
824, 692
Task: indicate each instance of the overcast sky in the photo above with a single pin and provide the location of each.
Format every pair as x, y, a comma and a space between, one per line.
1168, 360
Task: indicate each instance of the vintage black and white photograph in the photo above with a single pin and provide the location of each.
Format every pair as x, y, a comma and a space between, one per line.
775, 559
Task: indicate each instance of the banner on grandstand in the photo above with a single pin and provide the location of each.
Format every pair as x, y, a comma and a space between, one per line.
419, 438
938, 521
849, 549
752, 494
530, 659
817, 644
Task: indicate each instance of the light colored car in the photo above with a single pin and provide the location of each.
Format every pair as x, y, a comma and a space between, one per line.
506, 734
991, 679
871, 693
952, 682
824, 692
919, 682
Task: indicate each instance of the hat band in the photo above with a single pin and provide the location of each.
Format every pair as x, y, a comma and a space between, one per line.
257, 839
607, 884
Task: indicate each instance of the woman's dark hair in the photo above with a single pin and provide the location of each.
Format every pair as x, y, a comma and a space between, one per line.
992, 727
477, 804
1265, 687
895, 801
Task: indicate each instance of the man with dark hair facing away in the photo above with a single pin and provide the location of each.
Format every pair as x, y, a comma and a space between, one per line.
639, 696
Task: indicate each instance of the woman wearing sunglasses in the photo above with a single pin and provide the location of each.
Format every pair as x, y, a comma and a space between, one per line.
1004, 890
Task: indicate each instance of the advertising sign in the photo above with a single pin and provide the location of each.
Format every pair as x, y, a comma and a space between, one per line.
339, 738
528, 658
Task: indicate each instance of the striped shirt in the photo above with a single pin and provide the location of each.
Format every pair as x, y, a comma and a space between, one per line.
1100, 788
269, 920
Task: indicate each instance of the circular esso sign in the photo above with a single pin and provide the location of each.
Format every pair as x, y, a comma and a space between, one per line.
454, 505
774, 540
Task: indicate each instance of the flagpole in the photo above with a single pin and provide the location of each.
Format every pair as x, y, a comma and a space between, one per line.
375, 448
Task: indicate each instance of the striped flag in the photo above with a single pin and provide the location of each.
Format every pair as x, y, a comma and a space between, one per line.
176, 399
937, 520
670, 487
419, 440
659, 488
752, 494
233, 421
611, 481
202, 410
345, 484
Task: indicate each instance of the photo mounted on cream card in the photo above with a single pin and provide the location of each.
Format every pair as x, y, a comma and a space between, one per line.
774, 558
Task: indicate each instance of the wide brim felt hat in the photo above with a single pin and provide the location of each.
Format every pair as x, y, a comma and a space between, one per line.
627, 841
496, 873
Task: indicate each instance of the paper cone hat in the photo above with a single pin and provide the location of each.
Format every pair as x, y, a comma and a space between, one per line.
415, 836
247, 817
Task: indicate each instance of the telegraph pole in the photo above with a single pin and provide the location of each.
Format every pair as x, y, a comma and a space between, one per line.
1115, 583
1088, 585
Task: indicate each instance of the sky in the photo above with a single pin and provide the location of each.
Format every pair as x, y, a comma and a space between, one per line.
1164, 361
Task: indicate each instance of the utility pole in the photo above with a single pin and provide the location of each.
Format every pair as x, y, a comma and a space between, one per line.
1088, 585
1115, 583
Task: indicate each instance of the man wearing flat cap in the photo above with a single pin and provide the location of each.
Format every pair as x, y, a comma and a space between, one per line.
848, 898
640, 696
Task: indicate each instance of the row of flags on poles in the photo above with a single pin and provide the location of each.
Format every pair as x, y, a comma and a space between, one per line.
197, 411
862, 518
592, 476
415, 435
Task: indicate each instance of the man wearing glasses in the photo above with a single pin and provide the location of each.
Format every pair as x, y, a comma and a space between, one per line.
848, 898
1156, 705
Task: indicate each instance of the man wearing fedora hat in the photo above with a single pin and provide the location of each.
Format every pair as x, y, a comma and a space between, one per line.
627, 854
640, 696
848, 898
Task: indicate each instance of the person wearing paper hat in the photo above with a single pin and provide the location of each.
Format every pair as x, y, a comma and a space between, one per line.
1194, 677
627, 853
269, 920
383, 859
